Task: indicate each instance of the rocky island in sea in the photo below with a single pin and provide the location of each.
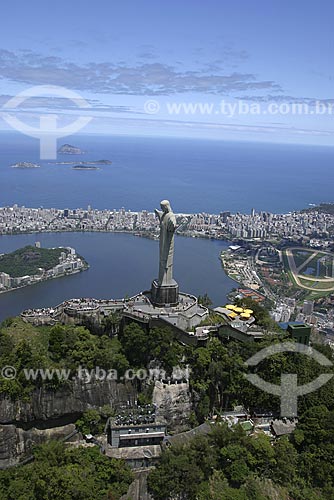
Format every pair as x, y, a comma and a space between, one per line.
25, 164
68, 149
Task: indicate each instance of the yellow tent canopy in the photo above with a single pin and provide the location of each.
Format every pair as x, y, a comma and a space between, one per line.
248, 311
239, 310
230, 306
233, 314
244, 315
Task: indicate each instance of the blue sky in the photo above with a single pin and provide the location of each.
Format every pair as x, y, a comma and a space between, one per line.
252, 55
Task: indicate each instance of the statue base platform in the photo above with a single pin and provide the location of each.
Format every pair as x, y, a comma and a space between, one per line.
164, 295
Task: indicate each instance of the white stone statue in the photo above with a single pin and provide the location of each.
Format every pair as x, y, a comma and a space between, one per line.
167, 229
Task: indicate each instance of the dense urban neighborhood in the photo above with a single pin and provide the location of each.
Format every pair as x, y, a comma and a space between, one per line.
314, 226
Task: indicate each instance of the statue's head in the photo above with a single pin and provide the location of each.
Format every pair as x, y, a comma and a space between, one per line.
165, 206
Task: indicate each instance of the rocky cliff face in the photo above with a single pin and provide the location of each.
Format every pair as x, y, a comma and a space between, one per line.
16, 443
51, 414
73, 399
138, 488
173, 404
48, 414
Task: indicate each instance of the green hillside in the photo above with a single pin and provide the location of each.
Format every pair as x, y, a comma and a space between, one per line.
28, 260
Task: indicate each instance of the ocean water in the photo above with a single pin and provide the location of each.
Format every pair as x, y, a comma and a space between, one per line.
196, 175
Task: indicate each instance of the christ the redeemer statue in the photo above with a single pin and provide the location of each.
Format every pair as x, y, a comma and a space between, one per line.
165, 290
167, 229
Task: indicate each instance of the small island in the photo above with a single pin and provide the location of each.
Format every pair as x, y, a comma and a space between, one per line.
93, 162
68, 149
33, 264
85, 167
25, 164
102, 162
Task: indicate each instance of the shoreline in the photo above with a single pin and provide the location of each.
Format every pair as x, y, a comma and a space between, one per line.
149, 236
77, 271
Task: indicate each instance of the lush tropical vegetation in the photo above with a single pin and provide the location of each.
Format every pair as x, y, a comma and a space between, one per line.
66, 473
24, 346
228, 464
29, 260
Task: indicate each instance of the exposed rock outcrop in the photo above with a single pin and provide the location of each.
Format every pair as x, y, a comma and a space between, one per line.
70, 400
16, 443
138, 488
51, 414
173, 404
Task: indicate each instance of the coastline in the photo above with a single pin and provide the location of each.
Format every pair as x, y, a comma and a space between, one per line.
76, 271
137, 233
90, 230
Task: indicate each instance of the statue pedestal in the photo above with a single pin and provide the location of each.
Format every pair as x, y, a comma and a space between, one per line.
164, 295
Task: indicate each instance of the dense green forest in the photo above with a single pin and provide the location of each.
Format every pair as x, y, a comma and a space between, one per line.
217, 371
230, 465
227, 464
28, 260
25, 346
61, 473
